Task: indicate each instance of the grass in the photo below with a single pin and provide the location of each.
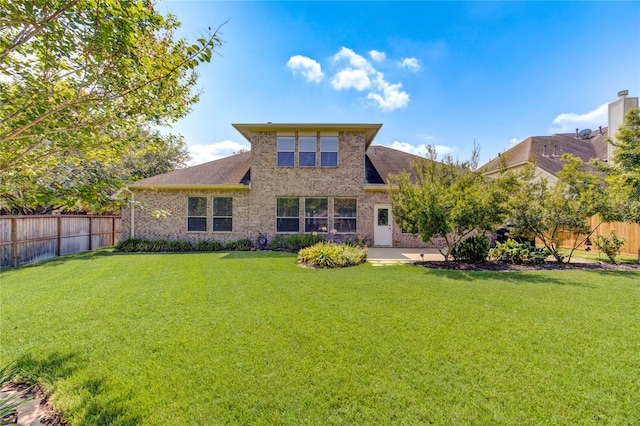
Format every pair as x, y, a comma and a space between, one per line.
251, 338
599, 256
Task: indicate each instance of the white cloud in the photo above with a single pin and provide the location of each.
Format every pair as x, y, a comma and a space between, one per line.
204, 153
388, 96
421, 150
513, 142
349, 78
354, 60
377, 56
410, 63
309, 68
569, 122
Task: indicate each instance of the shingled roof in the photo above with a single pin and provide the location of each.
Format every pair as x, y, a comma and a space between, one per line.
546, 151
235, 171
228, 171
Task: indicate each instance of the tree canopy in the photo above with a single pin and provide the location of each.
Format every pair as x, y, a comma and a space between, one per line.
78, 80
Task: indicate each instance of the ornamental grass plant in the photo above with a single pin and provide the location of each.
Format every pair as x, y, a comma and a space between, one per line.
327, 254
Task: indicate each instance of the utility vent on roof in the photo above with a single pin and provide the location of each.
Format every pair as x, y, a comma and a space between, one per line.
585, 134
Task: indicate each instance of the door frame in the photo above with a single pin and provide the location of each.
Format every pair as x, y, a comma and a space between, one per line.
381, 236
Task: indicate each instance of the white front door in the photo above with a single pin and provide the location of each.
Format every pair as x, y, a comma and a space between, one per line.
382, 226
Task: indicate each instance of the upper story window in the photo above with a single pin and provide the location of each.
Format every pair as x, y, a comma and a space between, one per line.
329, 151
306, 151
222, 214
286, 151
197, 214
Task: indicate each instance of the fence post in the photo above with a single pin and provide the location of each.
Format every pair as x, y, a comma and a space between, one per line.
90, 233
59, 242
14, 240
113, 230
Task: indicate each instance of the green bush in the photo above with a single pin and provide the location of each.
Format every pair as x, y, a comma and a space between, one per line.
243, 244
209, 246
294, 242
610, 245
331, 255
524, 253
473, 249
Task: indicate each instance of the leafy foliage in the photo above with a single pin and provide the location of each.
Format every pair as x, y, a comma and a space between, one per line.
327, 254
552, 212
9, 403
523, 253
472, 249
79, 79
610, 245
294, 242
449, 200
131, 245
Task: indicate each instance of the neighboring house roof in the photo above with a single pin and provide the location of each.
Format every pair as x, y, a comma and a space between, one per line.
370, 130
232, 172
546, 151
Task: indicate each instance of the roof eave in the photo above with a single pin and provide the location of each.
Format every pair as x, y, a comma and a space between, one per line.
193, 187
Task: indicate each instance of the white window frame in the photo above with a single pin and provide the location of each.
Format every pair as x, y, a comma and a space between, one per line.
197, 217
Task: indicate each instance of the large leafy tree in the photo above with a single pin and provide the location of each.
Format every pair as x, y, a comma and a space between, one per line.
449, 200
553, 212
78, 79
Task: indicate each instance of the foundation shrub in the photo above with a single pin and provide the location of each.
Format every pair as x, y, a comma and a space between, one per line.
523, 253
331, 255
473, 249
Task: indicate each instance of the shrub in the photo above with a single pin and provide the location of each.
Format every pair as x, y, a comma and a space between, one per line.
524, 253
243, 244
473, 249
294, 242
331, 255
209, 246
610, 245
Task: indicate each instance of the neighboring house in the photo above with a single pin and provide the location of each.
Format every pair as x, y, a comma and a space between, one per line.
297, 178
545, 151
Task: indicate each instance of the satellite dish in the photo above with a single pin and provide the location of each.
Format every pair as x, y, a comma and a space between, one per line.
585, 134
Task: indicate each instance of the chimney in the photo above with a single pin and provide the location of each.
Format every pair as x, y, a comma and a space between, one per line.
617, 111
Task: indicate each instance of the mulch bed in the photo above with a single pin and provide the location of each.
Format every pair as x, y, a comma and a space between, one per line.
502, 266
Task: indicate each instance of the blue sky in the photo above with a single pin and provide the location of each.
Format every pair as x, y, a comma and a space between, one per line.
437, 73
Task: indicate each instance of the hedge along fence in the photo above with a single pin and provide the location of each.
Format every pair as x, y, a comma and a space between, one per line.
25, 239
629, 231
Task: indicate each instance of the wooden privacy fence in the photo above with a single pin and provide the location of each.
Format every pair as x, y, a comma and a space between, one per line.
629, 231
25, 239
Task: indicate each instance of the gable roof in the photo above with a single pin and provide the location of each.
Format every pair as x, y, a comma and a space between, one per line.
546, 151
385, 161
228, 172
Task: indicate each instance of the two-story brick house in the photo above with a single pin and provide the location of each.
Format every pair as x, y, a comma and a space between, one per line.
297, 178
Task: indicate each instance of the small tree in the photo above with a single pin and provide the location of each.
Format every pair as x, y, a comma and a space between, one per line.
610, 245
448, 200
551, 212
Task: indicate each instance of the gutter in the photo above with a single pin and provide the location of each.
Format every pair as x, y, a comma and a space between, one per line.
193, 187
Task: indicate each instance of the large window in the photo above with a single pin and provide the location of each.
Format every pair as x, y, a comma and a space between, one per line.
316, 214
288, 214
197, 214
329, 151
286, 151
306, 151
345, 215
222, 214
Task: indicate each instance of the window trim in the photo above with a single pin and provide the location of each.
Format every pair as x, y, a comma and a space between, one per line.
292, 151
213, 213
200, 217
315, 149
287, 217
337, 139
355, 218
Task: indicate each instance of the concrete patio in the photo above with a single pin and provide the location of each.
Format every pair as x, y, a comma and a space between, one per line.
392, 256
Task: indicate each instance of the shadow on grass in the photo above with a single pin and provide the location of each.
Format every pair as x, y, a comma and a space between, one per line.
91, 406
511, 277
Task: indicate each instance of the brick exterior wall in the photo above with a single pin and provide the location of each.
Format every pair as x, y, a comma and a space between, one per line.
254, 211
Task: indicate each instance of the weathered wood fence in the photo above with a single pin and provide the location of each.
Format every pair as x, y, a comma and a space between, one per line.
25, 239
629, 231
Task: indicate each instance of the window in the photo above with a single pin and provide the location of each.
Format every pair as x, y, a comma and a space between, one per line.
345, 215
287, 215
286, 149
316, 214
222, 214
329, 151
197, 214
306, 151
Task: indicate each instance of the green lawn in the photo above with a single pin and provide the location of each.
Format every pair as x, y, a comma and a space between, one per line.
251, 338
